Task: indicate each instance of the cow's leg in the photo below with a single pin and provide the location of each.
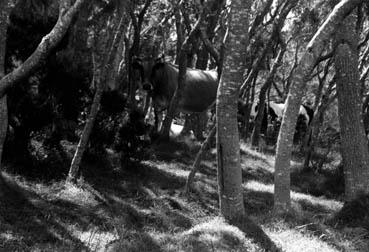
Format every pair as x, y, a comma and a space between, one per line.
158, 119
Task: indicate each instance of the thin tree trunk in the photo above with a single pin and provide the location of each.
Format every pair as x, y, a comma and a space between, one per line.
318, 95
182, 48
183, 45
82, 144
354, 149
282, 198
103, 52
320, 105
5, 8
3, 124
277, 26
137, 21
199, 156
262, 98
316, 124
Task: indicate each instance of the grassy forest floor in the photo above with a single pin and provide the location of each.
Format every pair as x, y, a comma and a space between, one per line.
143, 208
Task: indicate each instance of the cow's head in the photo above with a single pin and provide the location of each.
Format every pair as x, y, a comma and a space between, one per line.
145, 70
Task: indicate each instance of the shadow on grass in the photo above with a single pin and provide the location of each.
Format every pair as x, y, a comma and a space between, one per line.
26, 222
257, 202
252, 154
328, 183
259, 174
175, 150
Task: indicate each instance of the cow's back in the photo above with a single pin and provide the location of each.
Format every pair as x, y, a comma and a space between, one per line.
199, 91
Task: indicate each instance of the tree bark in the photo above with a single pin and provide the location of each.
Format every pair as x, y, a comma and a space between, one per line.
282, 199
182, 48
183, 45
316, 124
137, 21
47, 44
262, 97
5, 9
228, 148
82, 144
354, 149
199, 156
103, 53
277, 27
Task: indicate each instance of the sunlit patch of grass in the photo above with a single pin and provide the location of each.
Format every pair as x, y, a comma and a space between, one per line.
292, 240
175, 169
216, 235
93, 238
327, 204
77, 195
211, 235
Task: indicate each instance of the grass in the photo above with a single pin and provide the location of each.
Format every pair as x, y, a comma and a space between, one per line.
144, 209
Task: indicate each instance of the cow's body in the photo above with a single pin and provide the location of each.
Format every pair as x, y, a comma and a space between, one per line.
160, 79
276, 110
199, 90
273, 114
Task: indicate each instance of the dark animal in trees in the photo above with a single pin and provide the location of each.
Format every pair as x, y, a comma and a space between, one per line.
273, 113
160, 80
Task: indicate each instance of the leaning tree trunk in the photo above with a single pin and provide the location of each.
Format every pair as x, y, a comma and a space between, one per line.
354, 149
47, 44
103, 56
196, 163
82, 144
66, 14
5, 9
282, 198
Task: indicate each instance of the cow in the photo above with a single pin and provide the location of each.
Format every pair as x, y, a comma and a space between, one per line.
160, 80
273, 113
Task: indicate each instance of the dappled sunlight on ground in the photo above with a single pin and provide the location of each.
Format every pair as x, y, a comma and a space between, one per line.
144, 208
326, 204
294, 241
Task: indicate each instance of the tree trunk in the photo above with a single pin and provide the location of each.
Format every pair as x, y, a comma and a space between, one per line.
5, 9
137, 21
282, 199
320, 105
103, 52
47, 44
82, 144
196, 163
262, 98
3, 124
354, 149
182, 48
315, 126
228, 149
